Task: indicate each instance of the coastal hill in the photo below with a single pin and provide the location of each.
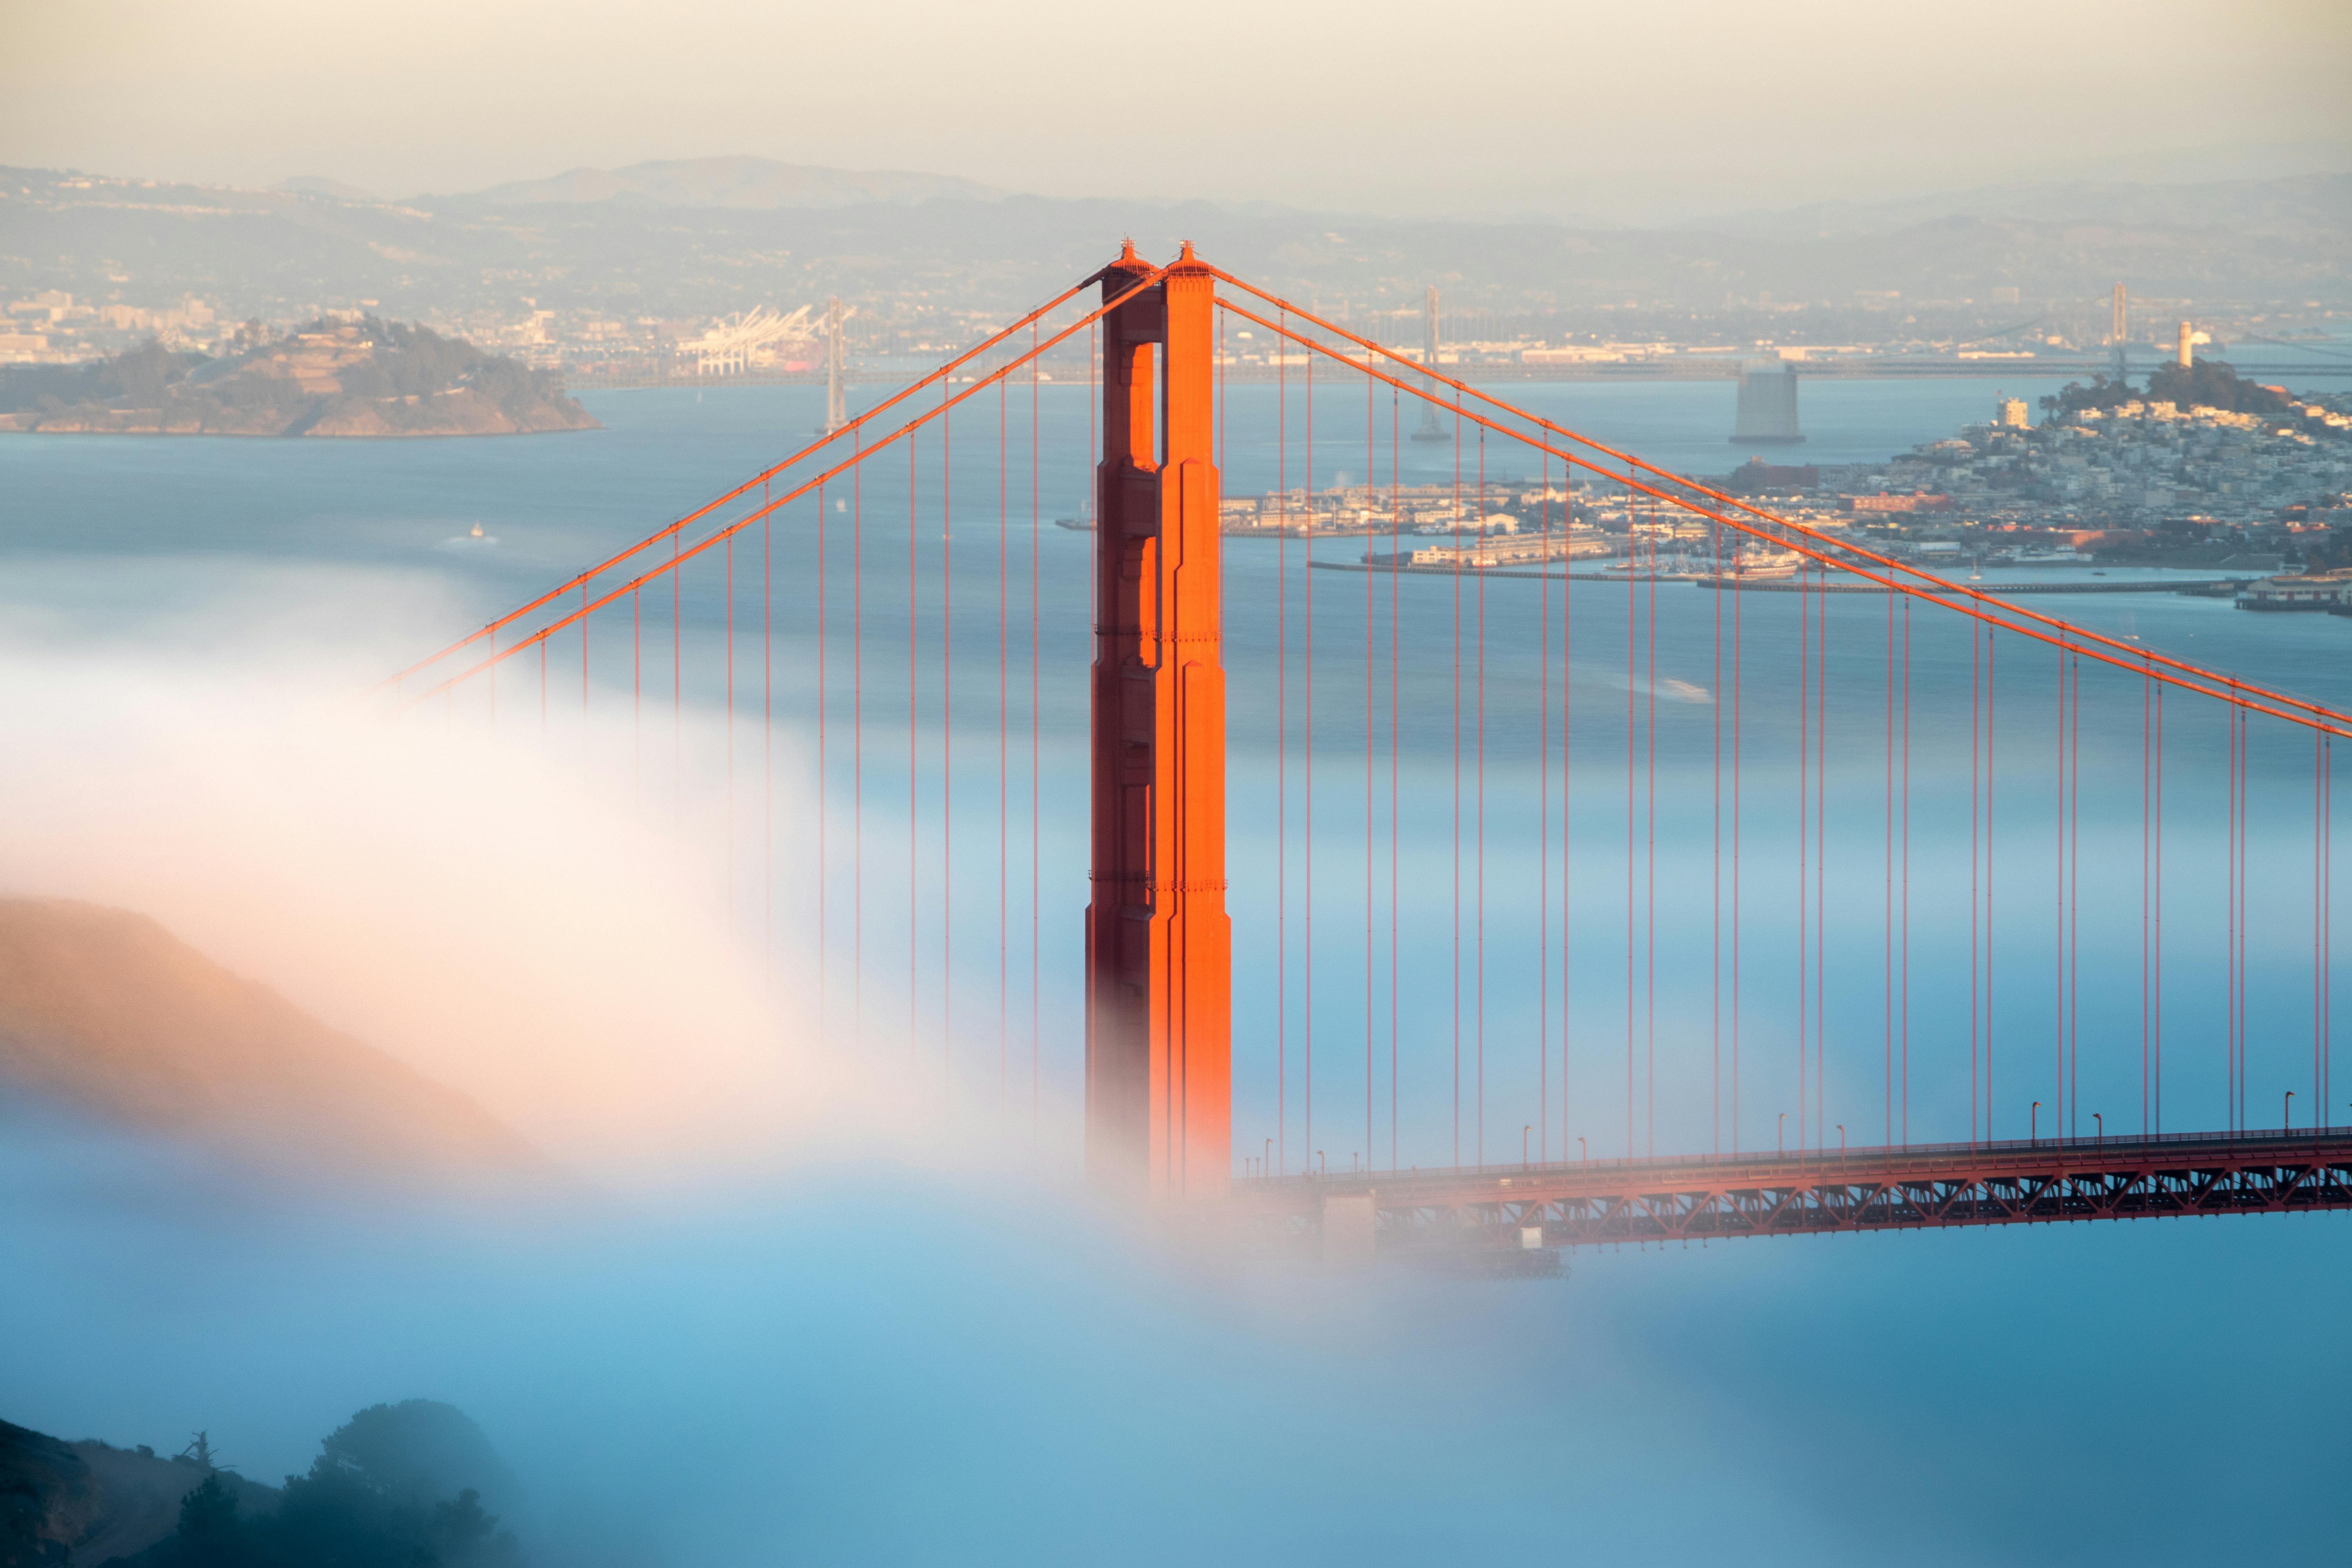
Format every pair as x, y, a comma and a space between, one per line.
411, 1483
105, 1015
362, 378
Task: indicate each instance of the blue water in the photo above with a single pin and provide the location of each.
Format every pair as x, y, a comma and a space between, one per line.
1738, 1372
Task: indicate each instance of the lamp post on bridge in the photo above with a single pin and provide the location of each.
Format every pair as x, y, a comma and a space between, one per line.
1841, 1127
1524, 1130
1583, 1155
2100, 1123
1781, 1138
2033, 1125
2287, 1115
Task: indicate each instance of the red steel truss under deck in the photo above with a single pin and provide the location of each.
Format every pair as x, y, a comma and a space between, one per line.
1716, 1196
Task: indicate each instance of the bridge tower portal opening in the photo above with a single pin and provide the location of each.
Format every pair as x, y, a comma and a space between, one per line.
1158, 942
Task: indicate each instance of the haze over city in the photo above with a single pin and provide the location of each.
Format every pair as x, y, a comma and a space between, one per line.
1627, 115
1044, 785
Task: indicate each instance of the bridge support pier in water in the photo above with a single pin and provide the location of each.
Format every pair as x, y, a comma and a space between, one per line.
1159, 943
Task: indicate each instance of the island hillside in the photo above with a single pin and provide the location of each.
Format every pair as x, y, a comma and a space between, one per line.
362, 378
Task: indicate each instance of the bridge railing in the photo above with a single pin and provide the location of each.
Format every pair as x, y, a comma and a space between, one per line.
1873, 1155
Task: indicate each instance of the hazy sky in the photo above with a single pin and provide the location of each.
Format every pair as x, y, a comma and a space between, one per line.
1396, 105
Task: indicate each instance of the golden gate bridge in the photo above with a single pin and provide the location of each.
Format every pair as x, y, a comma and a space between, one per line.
1786, 988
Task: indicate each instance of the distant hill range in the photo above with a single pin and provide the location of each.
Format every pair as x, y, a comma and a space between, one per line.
365, 378
2307, 205
700, 238
754, 184
105, 1015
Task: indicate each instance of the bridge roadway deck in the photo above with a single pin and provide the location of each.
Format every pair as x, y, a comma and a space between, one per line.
1813, 1192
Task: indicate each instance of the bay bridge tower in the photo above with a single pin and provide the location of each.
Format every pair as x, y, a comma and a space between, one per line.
1430, 429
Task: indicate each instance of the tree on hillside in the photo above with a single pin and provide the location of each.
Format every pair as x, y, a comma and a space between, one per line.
209, 1536
2331, 553
2073, 397
2208, 383
394, 1487
2212, 383
415, 1452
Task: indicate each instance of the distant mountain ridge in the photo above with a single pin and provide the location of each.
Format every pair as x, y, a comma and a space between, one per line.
277, 253
744, 183
2302, 203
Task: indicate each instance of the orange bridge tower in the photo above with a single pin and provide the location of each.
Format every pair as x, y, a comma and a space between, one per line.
1159, 943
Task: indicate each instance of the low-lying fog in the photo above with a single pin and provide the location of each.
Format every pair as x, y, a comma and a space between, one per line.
808, 1310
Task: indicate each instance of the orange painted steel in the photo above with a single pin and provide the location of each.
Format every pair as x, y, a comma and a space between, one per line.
1841, 553
763, 478
678, 558
1850, 559
1159, 943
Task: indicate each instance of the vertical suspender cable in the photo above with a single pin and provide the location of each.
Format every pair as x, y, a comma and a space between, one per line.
1370, 457
768, 753
1282, 752
1715, 881
1035, 749
1821, 873
1650, 859
730, 619
1632, 703
637, 695
947, 742
677, 680
1004, 749
2058, 863
1457, 778
1804, 833
1567, 793
1396, 510
1738, 714
1307, 583
857, 739
914, 860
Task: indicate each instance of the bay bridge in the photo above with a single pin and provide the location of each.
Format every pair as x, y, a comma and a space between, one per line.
1644, 917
